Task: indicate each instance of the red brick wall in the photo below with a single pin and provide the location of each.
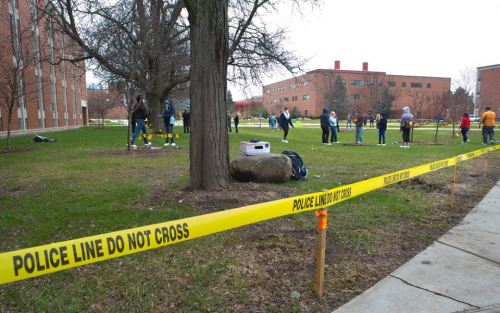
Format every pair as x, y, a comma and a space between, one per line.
321, 82
488, 89
30, 81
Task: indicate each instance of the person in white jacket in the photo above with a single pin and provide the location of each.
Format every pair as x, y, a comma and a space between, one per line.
334, 127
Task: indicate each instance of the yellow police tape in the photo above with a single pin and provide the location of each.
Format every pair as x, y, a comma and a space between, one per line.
49, 258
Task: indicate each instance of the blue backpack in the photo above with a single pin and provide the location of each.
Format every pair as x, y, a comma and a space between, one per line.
299, 170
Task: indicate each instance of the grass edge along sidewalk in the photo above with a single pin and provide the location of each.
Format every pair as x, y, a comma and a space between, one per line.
40, 260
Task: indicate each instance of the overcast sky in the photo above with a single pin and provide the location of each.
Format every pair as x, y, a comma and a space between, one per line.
423, 38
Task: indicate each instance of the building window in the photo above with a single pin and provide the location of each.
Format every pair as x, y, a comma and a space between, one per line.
292, 86
306, 97
357, 82
355, 96
294, 98
285, 99
306, 83
429, 85
403, 84
416, 85
391, 84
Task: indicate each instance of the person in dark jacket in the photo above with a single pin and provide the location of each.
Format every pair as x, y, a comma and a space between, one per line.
325, 126
138, 116
382, 127
169, 120
359, 121
285, 120
185, 121
236, 121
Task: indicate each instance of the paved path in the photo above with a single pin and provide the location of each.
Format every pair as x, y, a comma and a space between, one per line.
460, 272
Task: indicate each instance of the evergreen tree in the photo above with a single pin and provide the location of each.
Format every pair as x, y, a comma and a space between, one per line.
384, 105
230, 102
338, 98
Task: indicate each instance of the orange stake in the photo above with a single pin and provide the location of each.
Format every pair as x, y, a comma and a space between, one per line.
453, 186
485, 165
320, 253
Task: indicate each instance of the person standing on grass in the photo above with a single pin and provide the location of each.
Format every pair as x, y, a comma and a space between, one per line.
325, 126
359, 121
382, 127
185, 121
236, 121
334, 127
138, 116
285, 121
348, 125
465, 126
272, 121
169, 120
488, 122
406, 125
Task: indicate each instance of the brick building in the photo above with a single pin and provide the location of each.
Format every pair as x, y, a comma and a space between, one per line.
247, 104
51, 90
108, 99
311, 92
488, 88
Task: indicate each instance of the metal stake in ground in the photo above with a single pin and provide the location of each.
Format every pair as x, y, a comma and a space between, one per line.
320, 253
485, 165
453, 186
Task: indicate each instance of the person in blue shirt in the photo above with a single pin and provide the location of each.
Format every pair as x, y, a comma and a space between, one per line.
272, 121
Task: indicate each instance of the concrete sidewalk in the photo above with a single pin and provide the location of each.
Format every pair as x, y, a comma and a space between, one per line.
460, 272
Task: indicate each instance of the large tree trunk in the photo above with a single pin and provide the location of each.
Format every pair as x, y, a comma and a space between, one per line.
209, 150
155, 108
129, 128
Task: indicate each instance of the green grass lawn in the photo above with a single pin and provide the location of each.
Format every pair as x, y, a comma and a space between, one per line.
86, 184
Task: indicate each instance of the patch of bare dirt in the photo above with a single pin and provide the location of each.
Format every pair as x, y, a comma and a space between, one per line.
276, 259
152, 153
239, 194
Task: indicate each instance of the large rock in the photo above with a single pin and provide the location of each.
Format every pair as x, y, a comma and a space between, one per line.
275, 168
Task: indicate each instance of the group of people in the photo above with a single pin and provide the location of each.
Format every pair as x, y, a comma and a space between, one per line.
140, 114
487, 122
329, 123
272, 121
